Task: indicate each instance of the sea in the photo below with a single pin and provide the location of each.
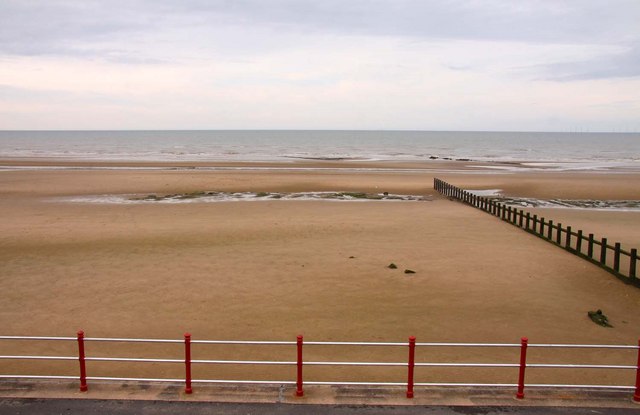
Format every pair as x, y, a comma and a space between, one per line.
563, 149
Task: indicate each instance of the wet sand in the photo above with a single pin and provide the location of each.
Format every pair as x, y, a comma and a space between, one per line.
270, 270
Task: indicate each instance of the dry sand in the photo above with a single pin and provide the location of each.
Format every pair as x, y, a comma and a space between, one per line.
270, 270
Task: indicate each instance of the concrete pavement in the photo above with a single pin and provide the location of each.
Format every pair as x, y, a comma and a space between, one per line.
9, 406
47, 397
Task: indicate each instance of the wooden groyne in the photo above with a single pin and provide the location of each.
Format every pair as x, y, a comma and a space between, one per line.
612, 258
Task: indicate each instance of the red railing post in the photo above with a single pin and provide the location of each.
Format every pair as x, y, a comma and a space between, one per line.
299, 390
523, 365
412, 363
187, 363
636, 396
81, 359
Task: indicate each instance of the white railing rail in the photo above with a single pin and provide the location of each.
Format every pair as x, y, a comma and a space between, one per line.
410, 363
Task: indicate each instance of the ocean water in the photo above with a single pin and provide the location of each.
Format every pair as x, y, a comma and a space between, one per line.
596, 149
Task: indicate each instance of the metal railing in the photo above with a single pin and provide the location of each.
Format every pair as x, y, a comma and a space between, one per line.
578, 243
410, 364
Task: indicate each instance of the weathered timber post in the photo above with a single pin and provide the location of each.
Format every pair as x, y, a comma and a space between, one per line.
521, 220
616, 257
603, 251
579, 242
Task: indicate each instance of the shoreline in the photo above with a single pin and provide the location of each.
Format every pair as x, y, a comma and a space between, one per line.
431, 168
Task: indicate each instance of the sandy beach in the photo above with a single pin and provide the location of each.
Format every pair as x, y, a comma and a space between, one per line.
269, 270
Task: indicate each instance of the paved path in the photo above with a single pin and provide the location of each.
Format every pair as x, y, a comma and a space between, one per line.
14, 406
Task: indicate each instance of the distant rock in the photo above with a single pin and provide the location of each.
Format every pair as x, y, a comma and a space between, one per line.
409, 271
392, 266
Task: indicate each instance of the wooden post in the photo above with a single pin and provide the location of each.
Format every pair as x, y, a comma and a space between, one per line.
550, 230
520, 221
616, 257
603, 251
632, 263
528, 220
542, 222
568, 244
590, 246
535, 223
579, 242
559, 234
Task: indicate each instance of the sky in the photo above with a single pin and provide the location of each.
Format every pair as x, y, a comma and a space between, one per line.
484, 65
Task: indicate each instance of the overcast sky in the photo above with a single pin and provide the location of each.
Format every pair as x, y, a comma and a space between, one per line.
528, 65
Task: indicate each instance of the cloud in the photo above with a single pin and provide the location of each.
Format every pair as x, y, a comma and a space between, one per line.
85, 27
315, 64
620, 64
